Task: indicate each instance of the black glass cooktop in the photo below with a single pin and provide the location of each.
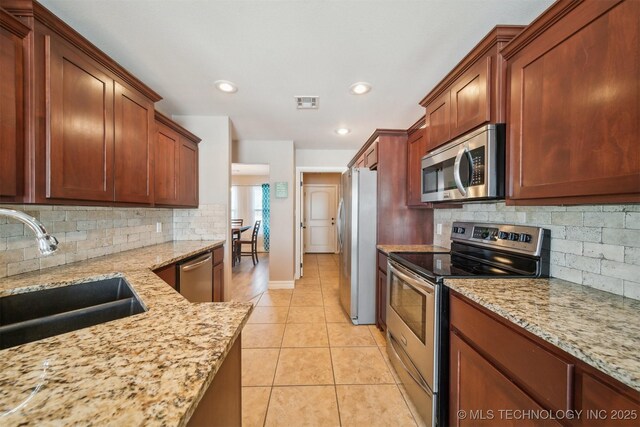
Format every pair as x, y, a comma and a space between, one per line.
478, 263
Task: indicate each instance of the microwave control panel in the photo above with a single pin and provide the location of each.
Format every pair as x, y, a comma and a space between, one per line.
477, 166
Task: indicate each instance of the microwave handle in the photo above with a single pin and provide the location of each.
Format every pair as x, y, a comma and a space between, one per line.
456, 170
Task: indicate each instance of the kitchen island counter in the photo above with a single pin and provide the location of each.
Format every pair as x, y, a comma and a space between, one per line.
148, 369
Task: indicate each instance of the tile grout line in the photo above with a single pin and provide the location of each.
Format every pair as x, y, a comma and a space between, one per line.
333, 372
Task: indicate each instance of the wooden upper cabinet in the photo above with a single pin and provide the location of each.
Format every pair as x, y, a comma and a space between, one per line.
188, 173
79, 119
12, 127
472, 94
470, 98
88, 123
166, 166
134, 133
574, 105
176, 164
438, 116
371, 156
416, 149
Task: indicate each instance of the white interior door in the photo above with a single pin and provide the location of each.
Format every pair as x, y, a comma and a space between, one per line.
320, 218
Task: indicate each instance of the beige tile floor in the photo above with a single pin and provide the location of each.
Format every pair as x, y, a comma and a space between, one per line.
305, 364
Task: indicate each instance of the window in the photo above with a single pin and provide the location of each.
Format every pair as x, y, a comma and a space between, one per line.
246, 204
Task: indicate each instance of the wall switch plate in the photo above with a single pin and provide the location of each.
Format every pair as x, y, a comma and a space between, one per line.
438, 229
158, 227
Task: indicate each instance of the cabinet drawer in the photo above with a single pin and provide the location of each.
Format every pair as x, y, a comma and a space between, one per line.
218, 255
540, 373
382, 261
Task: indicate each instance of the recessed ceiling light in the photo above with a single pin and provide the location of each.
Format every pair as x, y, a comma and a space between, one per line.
226, 86
343, 131
360, 88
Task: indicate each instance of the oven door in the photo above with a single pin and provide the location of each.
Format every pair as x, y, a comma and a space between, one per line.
411, 321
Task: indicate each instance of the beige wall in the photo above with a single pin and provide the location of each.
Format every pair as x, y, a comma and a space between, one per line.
249, 179
322, 178
279, 155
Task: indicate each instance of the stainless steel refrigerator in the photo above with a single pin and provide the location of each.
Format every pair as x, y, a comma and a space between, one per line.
357, 215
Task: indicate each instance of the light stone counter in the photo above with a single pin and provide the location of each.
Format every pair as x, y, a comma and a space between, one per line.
147, 369
599, 328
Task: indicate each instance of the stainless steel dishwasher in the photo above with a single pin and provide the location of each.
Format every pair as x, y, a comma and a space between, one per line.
196, 279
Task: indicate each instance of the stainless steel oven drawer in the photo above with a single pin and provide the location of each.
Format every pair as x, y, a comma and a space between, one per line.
420, 396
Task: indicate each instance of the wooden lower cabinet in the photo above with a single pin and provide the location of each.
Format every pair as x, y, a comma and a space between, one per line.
218, 275
482, 395
169, 274
221, 404
501, 374
381, 292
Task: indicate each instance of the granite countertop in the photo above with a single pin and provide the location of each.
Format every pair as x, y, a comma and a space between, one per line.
148, 369
411, 248
599, 328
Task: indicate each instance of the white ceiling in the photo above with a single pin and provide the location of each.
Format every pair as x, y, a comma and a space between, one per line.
274, 50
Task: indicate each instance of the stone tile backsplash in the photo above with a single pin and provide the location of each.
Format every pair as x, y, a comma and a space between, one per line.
84, 232
208, 222
593, 245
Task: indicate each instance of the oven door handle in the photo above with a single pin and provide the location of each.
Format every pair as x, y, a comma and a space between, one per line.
456, 170
424, 287
408, 366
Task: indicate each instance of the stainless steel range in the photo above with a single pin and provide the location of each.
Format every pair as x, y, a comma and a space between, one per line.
417, 301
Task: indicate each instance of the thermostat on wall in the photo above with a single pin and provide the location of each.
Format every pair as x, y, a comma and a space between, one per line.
282, 190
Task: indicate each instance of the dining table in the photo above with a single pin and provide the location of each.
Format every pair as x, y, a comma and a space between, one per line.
236, 232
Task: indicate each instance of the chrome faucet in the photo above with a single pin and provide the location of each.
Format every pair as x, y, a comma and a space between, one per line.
47, 244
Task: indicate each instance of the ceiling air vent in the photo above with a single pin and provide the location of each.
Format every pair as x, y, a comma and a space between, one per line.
307, 102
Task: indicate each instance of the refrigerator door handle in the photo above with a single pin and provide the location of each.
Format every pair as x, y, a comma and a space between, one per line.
340, 223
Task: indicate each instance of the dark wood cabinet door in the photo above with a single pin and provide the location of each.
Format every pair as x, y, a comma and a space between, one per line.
604, 406
166, 166
187, 173
381, 300
134, 125
480, 390
11, 108
169, 274
416, 149
438, 116
574, 107
470, 98
371, 156
218, 283
79, 124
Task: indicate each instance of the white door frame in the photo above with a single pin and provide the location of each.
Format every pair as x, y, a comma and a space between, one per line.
298, 206
337, 201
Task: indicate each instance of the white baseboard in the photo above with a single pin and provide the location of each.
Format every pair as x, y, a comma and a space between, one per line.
281, 284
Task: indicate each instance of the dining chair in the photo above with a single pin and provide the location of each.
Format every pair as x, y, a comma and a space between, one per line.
237, 222
253, 242
235, 256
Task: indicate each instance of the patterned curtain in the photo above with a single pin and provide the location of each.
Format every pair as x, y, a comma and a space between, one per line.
266, 215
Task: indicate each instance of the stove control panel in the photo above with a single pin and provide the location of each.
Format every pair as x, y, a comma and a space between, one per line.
516, 238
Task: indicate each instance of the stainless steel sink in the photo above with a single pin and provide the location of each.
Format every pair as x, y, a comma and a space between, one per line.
36, 315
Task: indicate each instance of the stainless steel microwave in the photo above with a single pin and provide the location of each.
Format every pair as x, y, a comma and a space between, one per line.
468, 168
